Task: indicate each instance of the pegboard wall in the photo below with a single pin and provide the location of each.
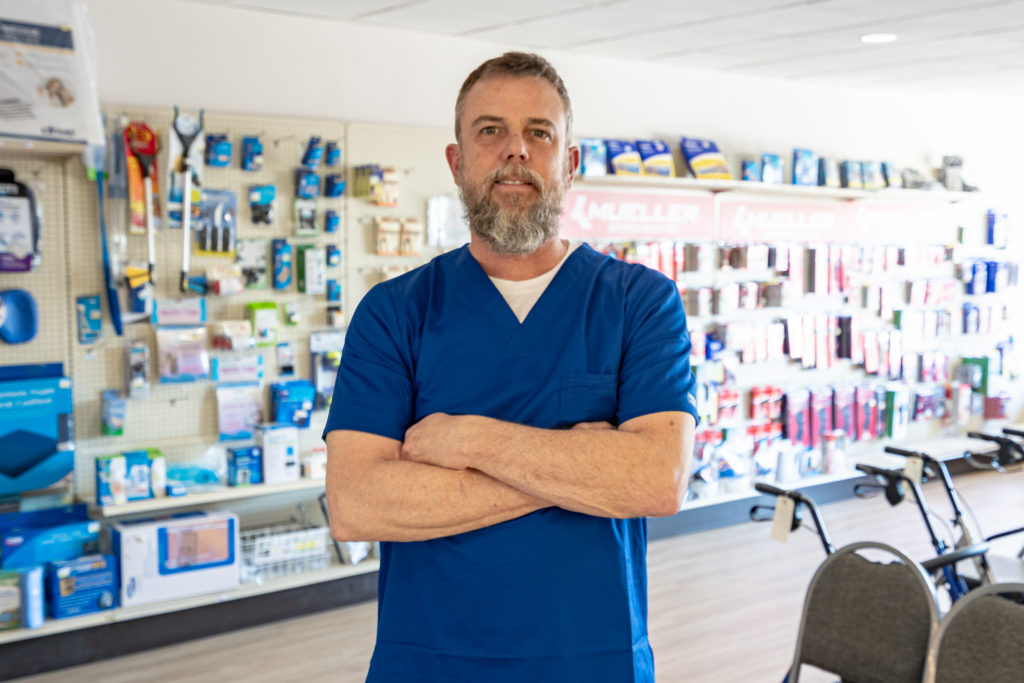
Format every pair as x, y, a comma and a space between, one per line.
180, 419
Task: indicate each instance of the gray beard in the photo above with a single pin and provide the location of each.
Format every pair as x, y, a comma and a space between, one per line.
508, 231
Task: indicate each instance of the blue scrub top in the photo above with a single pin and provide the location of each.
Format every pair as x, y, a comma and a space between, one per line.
555, 595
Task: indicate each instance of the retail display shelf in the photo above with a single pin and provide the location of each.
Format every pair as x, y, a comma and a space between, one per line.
247, 590
205, 498
47, 148
775, 189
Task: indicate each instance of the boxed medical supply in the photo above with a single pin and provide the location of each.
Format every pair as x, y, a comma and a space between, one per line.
245, 466
21, 598
280, 444
175, 557
291, 402
36, 428
128, 476
81, 586
41, 536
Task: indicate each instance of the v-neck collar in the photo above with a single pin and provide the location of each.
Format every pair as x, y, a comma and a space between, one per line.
487, 298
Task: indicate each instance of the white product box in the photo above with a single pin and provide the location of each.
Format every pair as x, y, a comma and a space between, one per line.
176, 557
280, 444
314, 465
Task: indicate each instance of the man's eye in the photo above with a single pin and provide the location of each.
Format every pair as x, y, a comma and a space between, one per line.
489, 130
542, 134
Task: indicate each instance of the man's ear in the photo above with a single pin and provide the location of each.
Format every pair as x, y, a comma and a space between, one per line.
454, 156
573, 165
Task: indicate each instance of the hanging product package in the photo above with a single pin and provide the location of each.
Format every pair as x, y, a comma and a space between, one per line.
20, 225
49, 57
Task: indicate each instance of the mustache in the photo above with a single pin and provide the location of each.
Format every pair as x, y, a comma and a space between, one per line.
515, 171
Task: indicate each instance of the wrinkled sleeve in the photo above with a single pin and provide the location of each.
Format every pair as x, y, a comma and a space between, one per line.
373, 390
655, 374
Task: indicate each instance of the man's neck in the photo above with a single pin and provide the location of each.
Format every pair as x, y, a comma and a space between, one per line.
518, 266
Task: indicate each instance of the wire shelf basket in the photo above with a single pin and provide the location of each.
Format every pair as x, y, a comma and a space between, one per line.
276, 551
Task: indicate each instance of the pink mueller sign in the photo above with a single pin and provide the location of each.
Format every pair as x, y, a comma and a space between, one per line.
863, 222
615, 215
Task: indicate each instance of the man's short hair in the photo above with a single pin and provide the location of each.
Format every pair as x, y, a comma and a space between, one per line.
521, 64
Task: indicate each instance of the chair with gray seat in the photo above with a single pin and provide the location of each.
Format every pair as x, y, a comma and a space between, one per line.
981, 638
866, 620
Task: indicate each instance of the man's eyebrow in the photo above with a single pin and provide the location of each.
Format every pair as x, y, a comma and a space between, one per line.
487, 118
541, 122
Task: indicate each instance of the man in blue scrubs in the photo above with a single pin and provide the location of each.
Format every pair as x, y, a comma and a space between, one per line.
507, 415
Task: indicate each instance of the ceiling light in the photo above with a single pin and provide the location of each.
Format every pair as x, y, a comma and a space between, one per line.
876, 38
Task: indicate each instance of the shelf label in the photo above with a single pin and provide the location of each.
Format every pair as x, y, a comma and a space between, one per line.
888, 223
863, 222
762, 221
616, 215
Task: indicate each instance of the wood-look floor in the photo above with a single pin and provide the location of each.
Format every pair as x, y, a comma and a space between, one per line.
724, 604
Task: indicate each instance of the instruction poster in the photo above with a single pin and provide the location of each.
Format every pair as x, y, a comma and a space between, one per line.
47, 85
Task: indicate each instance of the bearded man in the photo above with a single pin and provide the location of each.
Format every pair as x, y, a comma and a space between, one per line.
506, 416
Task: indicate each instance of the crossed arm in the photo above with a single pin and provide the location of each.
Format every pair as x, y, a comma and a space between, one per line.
459, 473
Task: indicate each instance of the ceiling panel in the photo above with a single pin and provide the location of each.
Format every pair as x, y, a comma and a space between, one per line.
962, 42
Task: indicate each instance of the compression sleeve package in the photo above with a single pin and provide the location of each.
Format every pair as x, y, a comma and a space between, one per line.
704, 159
623, 159
656, 158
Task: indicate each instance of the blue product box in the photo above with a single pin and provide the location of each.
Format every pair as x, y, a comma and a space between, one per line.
333, 256
81, 586
41, 536
750, 169
332, 221
114, 409
21, 598
656, 158
292, 402
282, 263
998, 228
307, 184
334, 186
771, 168
252, 153
36, 433
314, 153
333, 290
138, 467
805, 167
333, 154
218, 151
245, 466
593, 158
89, 317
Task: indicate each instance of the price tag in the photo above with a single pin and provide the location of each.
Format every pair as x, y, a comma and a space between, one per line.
782, 522
913, 469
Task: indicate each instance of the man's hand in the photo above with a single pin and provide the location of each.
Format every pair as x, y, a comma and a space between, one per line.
441, 440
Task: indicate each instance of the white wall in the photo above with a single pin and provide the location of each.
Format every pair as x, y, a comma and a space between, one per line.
165, 52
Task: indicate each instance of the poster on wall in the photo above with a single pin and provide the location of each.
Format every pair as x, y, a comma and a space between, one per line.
48, 73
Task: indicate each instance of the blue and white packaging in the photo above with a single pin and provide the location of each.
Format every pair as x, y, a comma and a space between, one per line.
292, 402
656, 158
36, 433
623, 158
593, 158
114, 408
21, 598
41, 536
280, 445
176, 557
771, 168
245, 466
89, 317
750, 170
81, 586
805, 167
998, 228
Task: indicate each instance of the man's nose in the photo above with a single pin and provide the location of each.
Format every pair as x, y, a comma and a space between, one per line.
515, 148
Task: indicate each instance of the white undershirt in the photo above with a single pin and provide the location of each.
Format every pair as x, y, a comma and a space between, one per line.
522, 295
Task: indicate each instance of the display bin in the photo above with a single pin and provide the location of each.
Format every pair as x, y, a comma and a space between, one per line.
275, 551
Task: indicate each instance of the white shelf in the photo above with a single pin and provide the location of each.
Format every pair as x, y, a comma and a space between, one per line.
205, 498
246, 590
780, 189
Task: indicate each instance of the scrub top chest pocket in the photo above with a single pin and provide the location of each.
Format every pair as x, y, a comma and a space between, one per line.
587, 397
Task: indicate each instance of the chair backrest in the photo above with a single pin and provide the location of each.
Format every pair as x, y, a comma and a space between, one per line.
981, 639
867, 621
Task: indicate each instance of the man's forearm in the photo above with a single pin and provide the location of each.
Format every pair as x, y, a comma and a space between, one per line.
640, 469
397, 500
